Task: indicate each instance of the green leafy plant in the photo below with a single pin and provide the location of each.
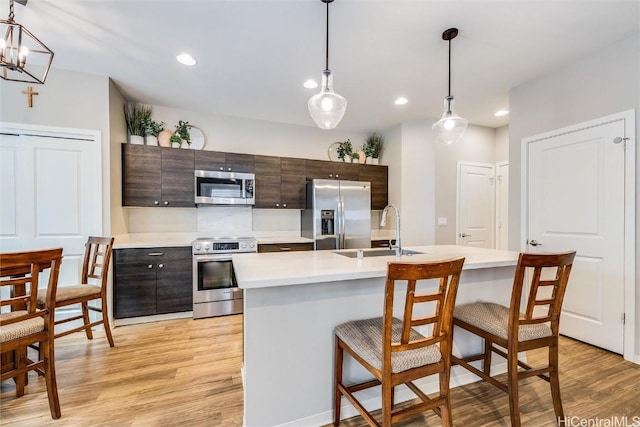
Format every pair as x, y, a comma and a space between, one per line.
153, 128
373, 145
175, 138
136, 116
355, 156
345, 149
182, 130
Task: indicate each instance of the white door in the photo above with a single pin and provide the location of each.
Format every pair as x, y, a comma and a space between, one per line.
502, 205
476, 204
576, 184
50, 196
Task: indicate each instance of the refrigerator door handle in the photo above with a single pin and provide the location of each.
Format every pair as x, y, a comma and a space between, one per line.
342, 224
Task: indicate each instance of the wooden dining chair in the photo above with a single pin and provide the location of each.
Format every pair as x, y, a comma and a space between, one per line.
394, 352
506, 327
23, 324
97, 256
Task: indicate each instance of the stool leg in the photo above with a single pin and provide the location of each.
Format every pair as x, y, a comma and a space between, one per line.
105, 320
445, 410
86, 320
50, 378
486, 364
512, 383
339, 355
554, 380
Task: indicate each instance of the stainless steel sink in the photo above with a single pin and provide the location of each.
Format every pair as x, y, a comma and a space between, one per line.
377, 252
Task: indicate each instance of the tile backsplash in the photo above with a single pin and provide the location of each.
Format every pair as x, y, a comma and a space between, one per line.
225, 221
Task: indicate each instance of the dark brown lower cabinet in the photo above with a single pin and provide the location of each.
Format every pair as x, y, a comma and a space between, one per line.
152, 281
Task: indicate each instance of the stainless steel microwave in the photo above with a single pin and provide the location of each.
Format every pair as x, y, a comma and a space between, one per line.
224, 188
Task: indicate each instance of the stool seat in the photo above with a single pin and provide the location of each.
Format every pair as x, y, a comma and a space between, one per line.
68, 293
365, 338
494, 318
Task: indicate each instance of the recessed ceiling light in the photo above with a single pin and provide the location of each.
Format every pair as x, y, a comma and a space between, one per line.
186, 59
401, 101
500, 113
311, 84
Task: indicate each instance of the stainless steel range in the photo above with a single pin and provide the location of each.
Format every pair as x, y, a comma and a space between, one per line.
215, 291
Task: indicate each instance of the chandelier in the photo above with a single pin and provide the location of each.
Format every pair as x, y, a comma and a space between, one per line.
23, 58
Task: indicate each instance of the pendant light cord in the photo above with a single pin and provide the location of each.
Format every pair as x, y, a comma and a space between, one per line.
11, 14
449, 67
327, 46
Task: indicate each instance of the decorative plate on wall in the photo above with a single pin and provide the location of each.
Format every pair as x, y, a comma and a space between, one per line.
333, 152
197, 138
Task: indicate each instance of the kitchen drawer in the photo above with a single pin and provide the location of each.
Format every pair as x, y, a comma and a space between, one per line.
284, 247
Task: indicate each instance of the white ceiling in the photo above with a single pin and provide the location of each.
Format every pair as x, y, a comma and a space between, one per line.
253, 56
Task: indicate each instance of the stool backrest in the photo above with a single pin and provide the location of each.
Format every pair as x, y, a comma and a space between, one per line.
20, 273
442, 301
97, 255
541, 267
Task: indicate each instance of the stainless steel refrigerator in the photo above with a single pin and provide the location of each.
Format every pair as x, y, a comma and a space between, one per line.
338, 214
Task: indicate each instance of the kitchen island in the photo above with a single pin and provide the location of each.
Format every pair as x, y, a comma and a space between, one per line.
292, 302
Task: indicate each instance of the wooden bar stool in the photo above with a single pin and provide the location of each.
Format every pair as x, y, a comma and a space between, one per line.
394, 352
97, 256
515, 332
26, 325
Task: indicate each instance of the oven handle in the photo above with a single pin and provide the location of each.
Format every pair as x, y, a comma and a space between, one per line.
207, 258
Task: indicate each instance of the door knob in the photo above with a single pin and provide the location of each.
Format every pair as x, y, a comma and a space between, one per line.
464, 235
534, 243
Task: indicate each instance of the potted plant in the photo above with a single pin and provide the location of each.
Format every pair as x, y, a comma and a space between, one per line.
355, 157
345, 149
151, 131
175, 140
136, 116
182, 130
372, 147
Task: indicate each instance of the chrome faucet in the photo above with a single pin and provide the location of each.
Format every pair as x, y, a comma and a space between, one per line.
383, 222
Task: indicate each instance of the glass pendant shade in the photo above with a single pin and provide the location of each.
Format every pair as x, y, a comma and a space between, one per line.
327, 107
450, 128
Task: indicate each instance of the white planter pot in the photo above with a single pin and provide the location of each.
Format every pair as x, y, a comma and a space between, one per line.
185, 144
175, 144
374, 161
136, 139
151, 140
369, 161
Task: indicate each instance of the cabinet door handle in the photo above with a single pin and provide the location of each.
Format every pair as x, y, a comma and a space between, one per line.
283, 248
166, 203
330, 175
150, 266
284, 205
155, 202
155, 253
160, 265
221, 168
277, 205
337, 176
229, 169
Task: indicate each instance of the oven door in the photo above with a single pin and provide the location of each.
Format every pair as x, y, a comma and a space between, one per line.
214, 279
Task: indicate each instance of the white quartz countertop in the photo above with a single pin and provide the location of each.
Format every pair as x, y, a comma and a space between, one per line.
293, 268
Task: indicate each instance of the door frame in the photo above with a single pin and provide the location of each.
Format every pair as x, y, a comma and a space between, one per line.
500, 202
629, 119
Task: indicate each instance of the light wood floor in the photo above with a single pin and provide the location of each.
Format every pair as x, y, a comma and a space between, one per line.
187, 372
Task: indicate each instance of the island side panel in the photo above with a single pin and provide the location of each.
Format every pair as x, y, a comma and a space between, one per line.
288, 344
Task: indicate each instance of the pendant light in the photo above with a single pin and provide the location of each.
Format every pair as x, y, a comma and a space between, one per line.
450, 128
327, 108
23, 58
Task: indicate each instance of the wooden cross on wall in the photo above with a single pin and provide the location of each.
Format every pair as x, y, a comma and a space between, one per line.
29, 92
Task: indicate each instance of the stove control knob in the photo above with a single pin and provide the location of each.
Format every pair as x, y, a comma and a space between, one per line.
252, 245
198, 247
206, 247
244, 245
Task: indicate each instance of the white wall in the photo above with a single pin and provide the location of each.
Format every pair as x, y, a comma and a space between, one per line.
502, 144
600, 84
477, 145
